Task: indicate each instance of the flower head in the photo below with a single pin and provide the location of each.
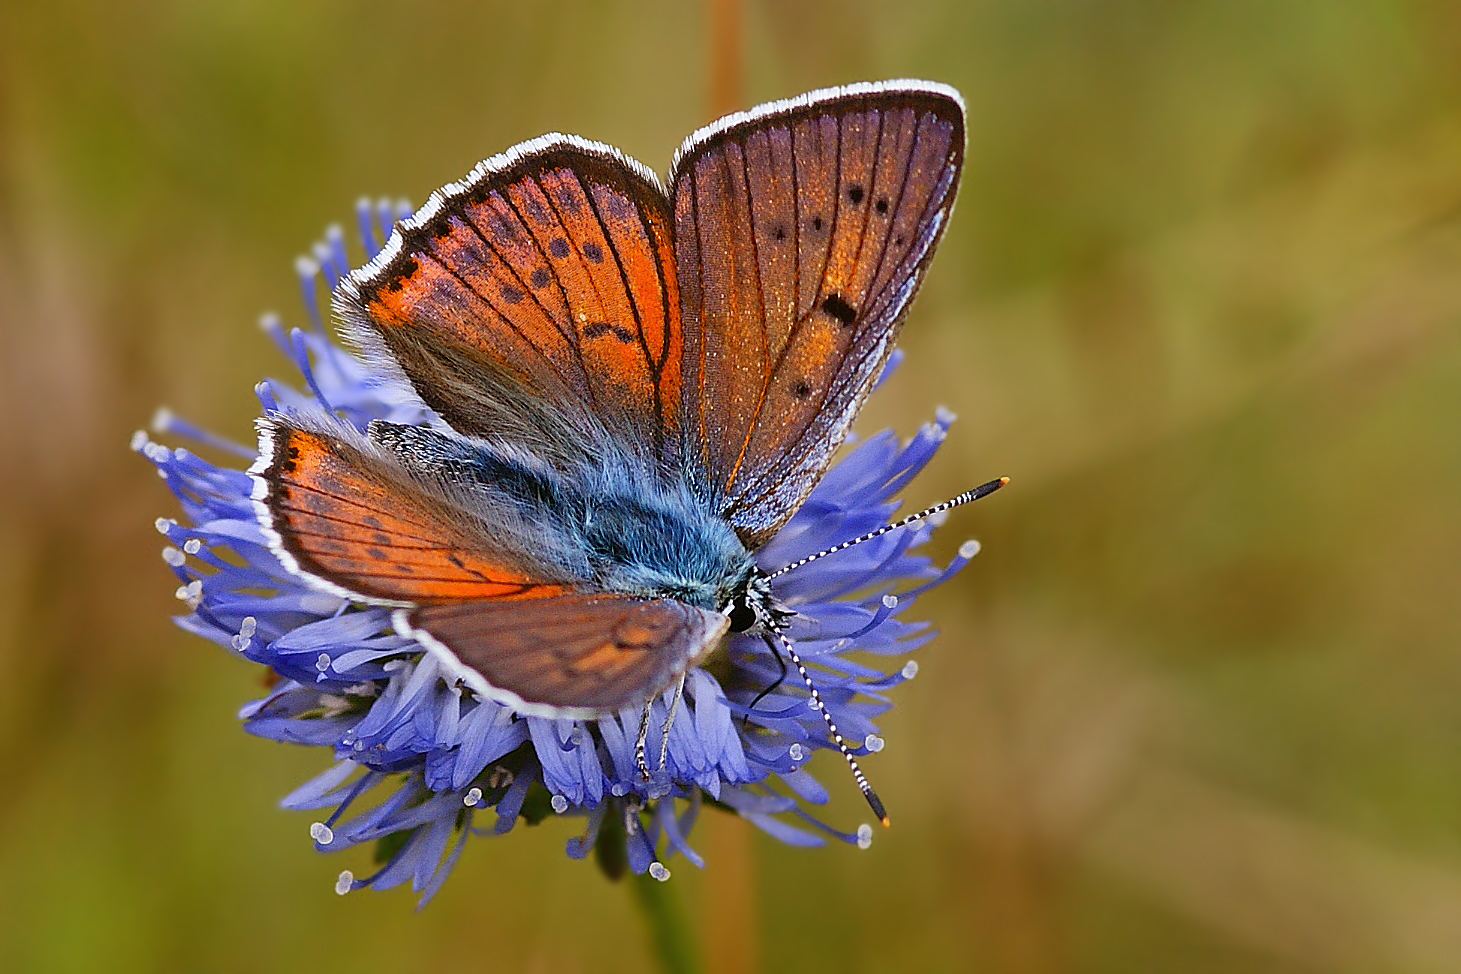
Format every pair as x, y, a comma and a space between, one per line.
420, 763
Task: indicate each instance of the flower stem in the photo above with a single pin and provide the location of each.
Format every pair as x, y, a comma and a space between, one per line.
672, 939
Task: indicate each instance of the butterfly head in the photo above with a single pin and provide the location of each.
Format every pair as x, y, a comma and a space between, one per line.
754, 608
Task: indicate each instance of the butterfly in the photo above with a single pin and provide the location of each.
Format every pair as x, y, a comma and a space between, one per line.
638, 385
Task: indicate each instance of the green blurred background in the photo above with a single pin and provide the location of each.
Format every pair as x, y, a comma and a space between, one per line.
1197, 706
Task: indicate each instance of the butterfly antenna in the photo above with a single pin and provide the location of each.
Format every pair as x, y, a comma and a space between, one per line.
983, 490
874, 802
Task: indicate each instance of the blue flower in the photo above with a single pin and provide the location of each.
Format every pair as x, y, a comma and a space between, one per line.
419, 765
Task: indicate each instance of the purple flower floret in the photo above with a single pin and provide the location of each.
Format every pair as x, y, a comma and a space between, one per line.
419, 764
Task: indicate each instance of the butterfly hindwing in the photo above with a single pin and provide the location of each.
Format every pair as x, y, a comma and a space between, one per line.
802, 230
535, 301
576, 655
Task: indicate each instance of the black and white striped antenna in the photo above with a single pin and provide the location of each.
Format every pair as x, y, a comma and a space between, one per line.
875, 803
983, 490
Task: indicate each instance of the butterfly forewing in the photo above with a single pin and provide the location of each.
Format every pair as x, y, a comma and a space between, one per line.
534, 301
801, 232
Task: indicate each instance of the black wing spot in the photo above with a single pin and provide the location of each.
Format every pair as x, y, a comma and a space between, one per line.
802, 389
539, 278
855, 194
625, 335
593, 252
898, 240
379, 538
835, 306
376, 553
780, 233
510, 294
816, 223
596, 328
440, 227
881, 205
558, 247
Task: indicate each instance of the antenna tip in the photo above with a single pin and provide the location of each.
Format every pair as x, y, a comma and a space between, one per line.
886, 823
1003, 481
876, 804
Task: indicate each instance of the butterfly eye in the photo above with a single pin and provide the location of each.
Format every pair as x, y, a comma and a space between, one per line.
741, 615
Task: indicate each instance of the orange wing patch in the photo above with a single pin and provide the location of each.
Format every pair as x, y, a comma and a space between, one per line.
551, 273
351, 520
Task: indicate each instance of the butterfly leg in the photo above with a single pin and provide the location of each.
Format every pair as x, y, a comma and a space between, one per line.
664, 739
780, 679
639, 740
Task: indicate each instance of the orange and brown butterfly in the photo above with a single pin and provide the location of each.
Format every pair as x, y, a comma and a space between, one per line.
637, 385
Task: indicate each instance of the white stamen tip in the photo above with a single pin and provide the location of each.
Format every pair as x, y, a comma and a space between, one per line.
864, 835
345, 882
472, 797
322, 662
559, 803
164, 525
910, 669
248, 627
796, 752
139, 441
969, 548
873, 743
306, 266
192, 546
269, 321
173, 556
890, 601
162, 419
618, 790
321, 833
658, 870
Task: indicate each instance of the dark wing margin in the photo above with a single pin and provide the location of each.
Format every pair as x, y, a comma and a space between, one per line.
578, 655
802, 231
534, 301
